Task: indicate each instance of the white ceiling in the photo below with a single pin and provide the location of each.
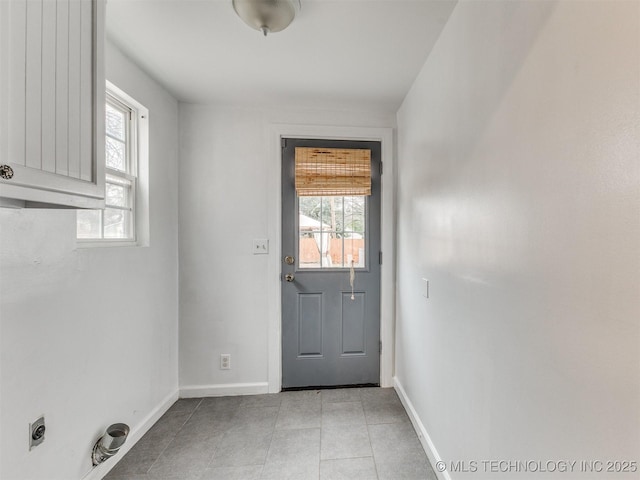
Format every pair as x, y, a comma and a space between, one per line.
346, 54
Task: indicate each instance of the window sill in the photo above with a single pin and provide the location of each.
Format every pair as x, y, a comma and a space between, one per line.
106, 243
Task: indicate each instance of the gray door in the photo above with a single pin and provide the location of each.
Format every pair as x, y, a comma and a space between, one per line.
330, 331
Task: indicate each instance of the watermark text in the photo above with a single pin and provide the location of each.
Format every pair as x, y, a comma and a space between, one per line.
538, 466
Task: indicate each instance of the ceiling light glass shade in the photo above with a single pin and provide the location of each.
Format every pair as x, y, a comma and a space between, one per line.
267, 15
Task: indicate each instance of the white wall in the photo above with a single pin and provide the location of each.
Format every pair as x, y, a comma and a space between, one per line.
89, 336
225, 202
519, 200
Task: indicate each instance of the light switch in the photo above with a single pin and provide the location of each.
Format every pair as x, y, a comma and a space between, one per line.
425, 288
260, 246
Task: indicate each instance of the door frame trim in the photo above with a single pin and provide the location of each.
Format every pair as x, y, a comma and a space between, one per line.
383, 135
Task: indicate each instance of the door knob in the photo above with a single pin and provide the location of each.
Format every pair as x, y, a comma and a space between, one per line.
6, 172
289, 260
289, 277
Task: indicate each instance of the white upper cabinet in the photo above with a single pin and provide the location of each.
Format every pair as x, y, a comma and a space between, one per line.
52, 101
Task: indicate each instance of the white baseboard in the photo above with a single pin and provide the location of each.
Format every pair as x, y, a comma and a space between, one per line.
136, 434
195, 391
421, 431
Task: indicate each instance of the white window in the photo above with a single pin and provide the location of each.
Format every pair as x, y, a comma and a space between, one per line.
117, 223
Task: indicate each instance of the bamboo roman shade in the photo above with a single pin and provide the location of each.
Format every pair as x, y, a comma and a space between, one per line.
332, 172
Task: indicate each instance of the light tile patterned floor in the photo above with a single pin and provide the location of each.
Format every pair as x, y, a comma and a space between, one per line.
354, 434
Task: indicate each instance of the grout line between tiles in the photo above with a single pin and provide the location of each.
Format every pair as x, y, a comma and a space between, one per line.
264, 463
172, 437
373, 455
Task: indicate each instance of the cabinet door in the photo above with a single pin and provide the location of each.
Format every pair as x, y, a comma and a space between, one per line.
52, 101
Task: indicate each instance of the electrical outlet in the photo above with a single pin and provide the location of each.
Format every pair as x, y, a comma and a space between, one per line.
36, 432
225, 361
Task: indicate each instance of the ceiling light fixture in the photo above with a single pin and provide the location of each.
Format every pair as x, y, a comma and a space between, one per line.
268, 16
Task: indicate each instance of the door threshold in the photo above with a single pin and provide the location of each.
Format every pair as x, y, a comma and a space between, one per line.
330, 387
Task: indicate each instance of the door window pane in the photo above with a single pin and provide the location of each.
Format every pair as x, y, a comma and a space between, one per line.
354, 208
331, 232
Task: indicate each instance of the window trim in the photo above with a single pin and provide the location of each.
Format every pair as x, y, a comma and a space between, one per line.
137, 141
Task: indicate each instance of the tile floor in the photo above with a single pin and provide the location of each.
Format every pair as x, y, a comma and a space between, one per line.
354, 434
